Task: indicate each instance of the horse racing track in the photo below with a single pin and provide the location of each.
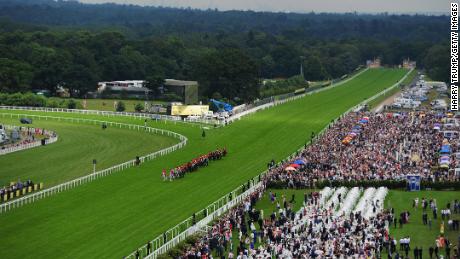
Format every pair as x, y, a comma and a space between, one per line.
112, 216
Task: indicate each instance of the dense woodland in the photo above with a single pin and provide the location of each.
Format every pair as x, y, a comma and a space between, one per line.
46, 43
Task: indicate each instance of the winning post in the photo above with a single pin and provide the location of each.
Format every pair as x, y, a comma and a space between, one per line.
94, 165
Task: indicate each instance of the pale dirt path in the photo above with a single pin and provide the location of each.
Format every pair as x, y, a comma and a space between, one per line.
389, 100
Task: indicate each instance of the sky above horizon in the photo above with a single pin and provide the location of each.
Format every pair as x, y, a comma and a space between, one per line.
340, 6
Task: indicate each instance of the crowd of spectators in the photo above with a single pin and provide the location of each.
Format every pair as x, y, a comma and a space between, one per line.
385, 147
27, 136
320, 229
13, 187
379, 147
318, 232
193, 165
219, 238
315, 231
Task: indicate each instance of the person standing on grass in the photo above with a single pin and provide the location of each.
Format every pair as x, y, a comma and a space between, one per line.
149, 247
163, 173
431, 250
393, 246
171, 175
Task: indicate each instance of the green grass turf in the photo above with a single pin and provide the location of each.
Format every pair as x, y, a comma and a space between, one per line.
420, 234
111, 217
72, 155
380, 99
268, 207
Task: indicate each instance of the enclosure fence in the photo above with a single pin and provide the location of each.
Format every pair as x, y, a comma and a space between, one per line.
191, 225
173, 236
98, 174
254, 107
137, 115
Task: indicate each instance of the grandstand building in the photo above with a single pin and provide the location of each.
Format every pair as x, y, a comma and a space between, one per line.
409, 64
375, 63
130, 88
114, 85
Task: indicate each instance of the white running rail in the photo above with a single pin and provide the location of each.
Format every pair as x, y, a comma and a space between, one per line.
275, 102
112, 114
96, 175
178, 118
160, 247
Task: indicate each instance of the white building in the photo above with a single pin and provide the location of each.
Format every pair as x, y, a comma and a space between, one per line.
119, 85
407, 103
409, 64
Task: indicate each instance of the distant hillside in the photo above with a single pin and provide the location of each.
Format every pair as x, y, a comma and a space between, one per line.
147, 20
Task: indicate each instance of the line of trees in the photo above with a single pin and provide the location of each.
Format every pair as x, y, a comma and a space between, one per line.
34, 100
227, 52
283, 86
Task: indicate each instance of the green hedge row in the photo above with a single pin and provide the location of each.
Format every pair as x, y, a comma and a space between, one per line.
34, 100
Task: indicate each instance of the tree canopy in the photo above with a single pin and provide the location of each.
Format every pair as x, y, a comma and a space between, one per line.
47, 43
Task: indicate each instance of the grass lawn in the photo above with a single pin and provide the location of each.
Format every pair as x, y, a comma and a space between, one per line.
111, 217
72, 155
420, 234
374, 103
268, 207
377, 101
